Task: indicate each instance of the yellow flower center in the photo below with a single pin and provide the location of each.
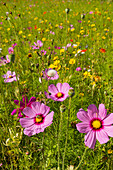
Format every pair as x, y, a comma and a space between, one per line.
96, 124
59, 94
38, 119
10, 76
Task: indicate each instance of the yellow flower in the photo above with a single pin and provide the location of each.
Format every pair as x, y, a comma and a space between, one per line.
6, 41
103, 37
86, 74
72, 29
79, 50
46, 20
47, 30
39, 29
43, 39
29, 22
78, 36
81, 28
89, 21
93, 83
72, 61
81, 94
41, 22
29, 35
62, 51
51, 66
68, 29
20, 32
58, 67
108, 17
97, 78
0, 28
56, 25
8, 29
56, 62
24, 36
67, 21
56, 57
92, 25
35, 18
74, 52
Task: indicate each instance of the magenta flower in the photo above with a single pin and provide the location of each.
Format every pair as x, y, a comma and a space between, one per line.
91, 12
37, 118
10, 50
78, 69
50, 74
58, 92
43, 52
37, 45
96, 124
24, 103
10, 77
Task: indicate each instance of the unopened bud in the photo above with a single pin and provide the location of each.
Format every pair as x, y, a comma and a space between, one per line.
62, 108
71, 92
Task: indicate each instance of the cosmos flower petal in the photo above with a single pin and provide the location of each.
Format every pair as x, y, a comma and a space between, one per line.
109, 130
83, 116
26, 122
21, 104
36, 107
102, 111
25, 99
48, 118
90, 139
65, 87
102, 136
13, 112
108, 120
59, 87
83, 127
32, 99
52, 89
29, 132
91, 110
44, 109
29, 112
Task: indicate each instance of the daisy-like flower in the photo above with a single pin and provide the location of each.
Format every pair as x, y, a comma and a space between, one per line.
96, 124
38, 44
24, 103
10, 77
37, 118
10, 50
50, 74
58, 92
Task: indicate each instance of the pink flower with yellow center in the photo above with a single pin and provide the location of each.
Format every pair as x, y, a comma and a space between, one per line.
96, 124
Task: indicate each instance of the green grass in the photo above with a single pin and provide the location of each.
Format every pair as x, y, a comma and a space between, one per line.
44, 150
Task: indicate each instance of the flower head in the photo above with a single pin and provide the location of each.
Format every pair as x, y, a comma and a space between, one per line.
96, 124
58, 92
37, 118
38, 44
10, 77
24, 103
10, 50
50, 74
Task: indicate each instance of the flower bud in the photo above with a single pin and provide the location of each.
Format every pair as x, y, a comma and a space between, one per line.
62, 108
71, 92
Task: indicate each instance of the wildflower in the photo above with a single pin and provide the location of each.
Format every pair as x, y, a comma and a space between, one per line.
96, 124
102, 50
10, 50
37, 45
78, 69
91, 12
58, 92
10, 77
83, 51
43, 39
72, 61
24, 103
3, 61
37, 118
43, 52
50, 74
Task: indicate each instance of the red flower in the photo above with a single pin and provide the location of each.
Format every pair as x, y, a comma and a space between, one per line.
102, 50
44, 12
83, 50
71, 40
35, 27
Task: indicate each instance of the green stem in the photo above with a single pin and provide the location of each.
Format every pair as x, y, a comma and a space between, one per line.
81, 159
66, 133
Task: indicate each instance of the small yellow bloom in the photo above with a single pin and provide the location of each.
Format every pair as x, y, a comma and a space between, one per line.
8, 29
103, 37
72, 61
43, 39
72, 29
24, 36
56, 25
20, 32
35, 18
81, 94
56, 57
6, 41
67, 21
78, 36
29, 22
62, 51
47, 30
39, 29
56, 62
88, 21
51, 66
108, 17
41, 22
29, 35
92, 25
74, 52
68, 29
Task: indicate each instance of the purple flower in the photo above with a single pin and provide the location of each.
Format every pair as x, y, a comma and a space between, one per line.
79, 21
78, 69
58, 92
50, 74
61, 27
1, 23
13, 45
43, 52
96, 124
10, 77
38, 44
10, 50
24, 103
91, 12
37, 118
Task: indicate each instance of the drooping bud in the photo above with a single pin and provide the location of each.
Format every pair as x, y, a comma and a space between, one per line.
62, 108
71, 92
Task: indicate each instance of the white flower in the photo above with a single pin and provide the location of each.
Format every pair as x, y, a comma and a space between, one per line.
51, 73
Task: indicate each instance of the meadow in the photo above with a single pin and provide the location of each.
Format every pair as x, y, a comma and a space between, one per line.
56, 85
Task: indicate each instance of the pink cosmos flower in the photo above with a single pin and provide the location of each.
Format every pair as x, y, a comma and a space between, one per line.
50, 74
10, 50
24, 103
37, 118
78, 69
58, 92
38, 44
10, 77
91, 12
96, 124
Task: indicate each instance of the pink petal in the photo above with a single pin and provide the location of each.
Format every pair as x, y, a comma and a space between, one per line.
91, 110
13, 112
102, 136
25, 99
52, 89
109, 130
83, 116
21, 104
83, 127
65, 87
44, 109
102, 111
32, 99
59, 87
109, 119
40, 130
26, 122
29, 132
29, 112
90, 139
48, 118
36, 107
